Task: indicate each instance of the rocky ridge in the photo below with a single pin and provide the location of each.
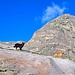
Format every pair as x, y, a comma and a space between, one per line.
57, 35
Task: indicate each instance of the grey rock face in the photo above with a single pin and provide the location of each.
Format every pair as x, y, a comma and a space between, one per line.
23, 63
57, 35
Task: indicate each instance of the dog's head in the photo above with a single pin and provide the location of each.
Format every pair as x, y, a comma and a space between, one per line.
62, 52
23, 42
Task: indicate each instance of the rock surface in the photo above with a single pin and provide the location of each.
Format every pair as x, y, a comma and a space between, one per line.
57, 35
23, 63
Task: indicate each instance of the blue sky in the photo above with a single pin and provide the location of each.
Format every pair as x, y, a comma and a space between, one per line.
19, 19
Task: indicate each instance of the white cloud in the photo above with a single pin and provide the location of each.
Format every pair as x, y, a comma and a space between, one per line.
51, 12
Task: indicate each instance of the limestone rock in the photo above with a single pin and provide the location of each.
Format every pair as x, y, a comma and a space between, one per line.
23, 63
57, 35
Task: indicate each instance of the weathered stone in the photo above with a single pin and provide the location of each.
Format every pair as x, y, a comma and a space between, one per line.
55, 36
22, 63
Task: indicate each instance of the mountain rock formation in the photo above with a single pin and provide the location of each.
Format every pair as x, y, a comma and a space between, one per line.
57, 35
23, 63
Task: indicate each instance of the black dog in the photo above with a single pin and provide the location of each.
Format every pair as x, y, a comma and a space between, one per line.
19, 45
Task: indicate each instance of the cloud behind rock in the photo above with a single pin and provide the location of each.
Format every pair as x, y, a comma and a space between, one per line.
51, 12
